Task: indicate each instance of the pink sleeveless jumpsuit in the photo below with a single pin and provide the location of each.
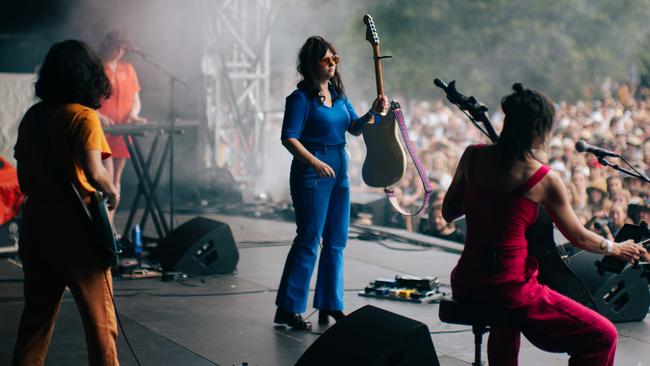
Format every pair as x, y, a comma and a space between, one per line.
496, 223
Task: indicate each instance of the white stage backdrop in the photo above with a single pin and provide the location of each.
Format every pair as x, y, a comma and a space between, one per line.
16, 95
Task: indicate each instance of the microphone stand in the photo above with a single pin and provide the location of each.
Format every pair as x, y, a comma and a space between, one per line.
635, 174
172, 117
475, 111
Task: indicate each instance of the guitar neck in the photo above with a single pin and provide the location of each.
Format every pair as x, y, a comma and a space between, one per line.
379, 79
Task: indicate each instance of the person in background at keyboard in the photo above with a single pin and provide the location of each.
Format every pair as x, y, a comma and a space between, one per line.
316, 117
123, 106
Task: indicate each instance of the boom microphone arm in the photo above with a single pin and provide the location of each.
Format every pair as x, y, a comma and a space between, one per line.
477, 112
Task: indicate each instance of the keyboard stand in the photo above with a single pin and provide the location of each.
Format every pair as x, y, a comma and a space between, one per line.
146, 185
148, 169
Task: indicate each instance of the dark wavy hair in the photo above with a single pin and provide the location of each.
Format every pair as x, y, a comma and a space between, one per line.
72, 73
309, 58
528, 117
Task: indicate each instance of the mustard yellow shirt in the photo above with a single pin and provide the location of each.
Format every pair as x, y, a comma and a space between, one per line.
73, 129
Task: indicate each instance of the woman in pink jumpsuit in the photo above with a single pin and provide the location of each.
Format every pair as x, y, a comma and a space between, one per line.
498, 188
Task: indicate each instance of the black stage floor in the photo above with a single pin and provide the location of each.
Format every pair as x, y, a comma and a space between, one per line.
228, 320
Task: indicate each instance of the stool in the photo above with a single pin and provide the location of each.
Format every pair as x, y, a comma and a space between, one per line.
479, 315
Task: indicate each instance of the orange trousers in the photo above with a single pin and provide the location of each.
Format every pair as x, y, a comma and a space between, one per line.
57, 252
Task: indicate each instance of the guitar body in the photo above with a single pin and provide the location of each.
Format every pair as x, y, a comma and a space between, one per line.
106, 238
385, 162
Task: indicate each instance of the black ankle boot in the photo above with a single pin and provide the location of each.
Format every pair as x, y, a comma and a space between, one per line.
294, 320
323, 316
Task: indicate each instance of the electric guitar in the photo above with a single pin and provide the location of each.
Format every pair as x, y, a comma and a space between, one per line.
107, 238
102, 228
385, 162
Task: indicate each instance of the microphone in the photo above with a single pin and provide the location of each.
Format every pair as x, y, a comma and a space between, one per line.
454, 95
440, 84
582, 146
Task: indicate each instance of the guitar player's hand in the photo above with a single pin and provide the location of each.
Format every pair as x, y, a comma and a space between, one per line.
112, 200
380, 105
323, 169
629, 251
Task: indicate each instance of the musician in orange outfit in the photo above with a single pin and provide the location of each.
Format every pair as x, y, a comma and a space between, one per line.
57, 246
123, 106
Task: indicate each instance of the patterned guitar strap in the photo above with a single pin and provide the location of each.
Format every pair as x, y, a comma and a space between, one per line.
418, 166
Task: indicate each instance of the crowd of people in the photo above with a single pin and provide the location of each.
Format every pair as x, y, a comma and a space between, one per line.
603, 198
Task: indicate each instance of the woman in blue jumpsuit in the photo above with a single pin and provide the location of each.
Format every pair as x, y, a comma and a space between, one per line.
316, 117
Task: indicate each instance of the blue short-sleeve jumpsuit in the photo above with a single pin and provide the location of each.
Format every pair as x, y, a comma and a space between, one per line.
322, 204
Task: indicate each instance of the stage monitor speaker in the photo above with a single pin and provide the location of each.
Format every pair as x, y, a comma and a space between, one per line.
200, 247
619, 297
374, 337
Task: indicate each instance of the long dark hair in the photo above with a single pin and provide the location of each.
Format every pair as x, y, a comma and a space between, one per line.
309, 58
72, 73
528, 117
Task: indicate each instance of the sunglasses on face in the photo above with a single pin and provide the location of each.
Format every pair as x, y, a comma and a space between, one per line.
333, 60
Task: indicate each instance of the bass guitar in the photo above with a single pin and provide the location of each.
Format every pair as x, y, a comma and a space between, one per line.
96, 214
106, 236
385, 162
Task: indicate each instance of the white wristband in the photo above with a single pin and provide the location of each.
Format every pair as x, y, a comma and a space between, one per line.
606, 246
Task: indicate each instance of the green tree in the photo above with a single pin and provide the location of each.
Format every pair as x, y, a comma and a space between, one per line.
555, 46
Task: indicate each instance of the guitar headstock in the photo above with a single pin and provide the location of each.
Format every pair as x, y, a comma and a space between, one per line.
371, 31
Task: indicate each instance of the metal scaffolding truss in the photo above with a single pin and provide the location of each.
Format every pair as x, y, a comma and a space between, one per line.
236, 68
